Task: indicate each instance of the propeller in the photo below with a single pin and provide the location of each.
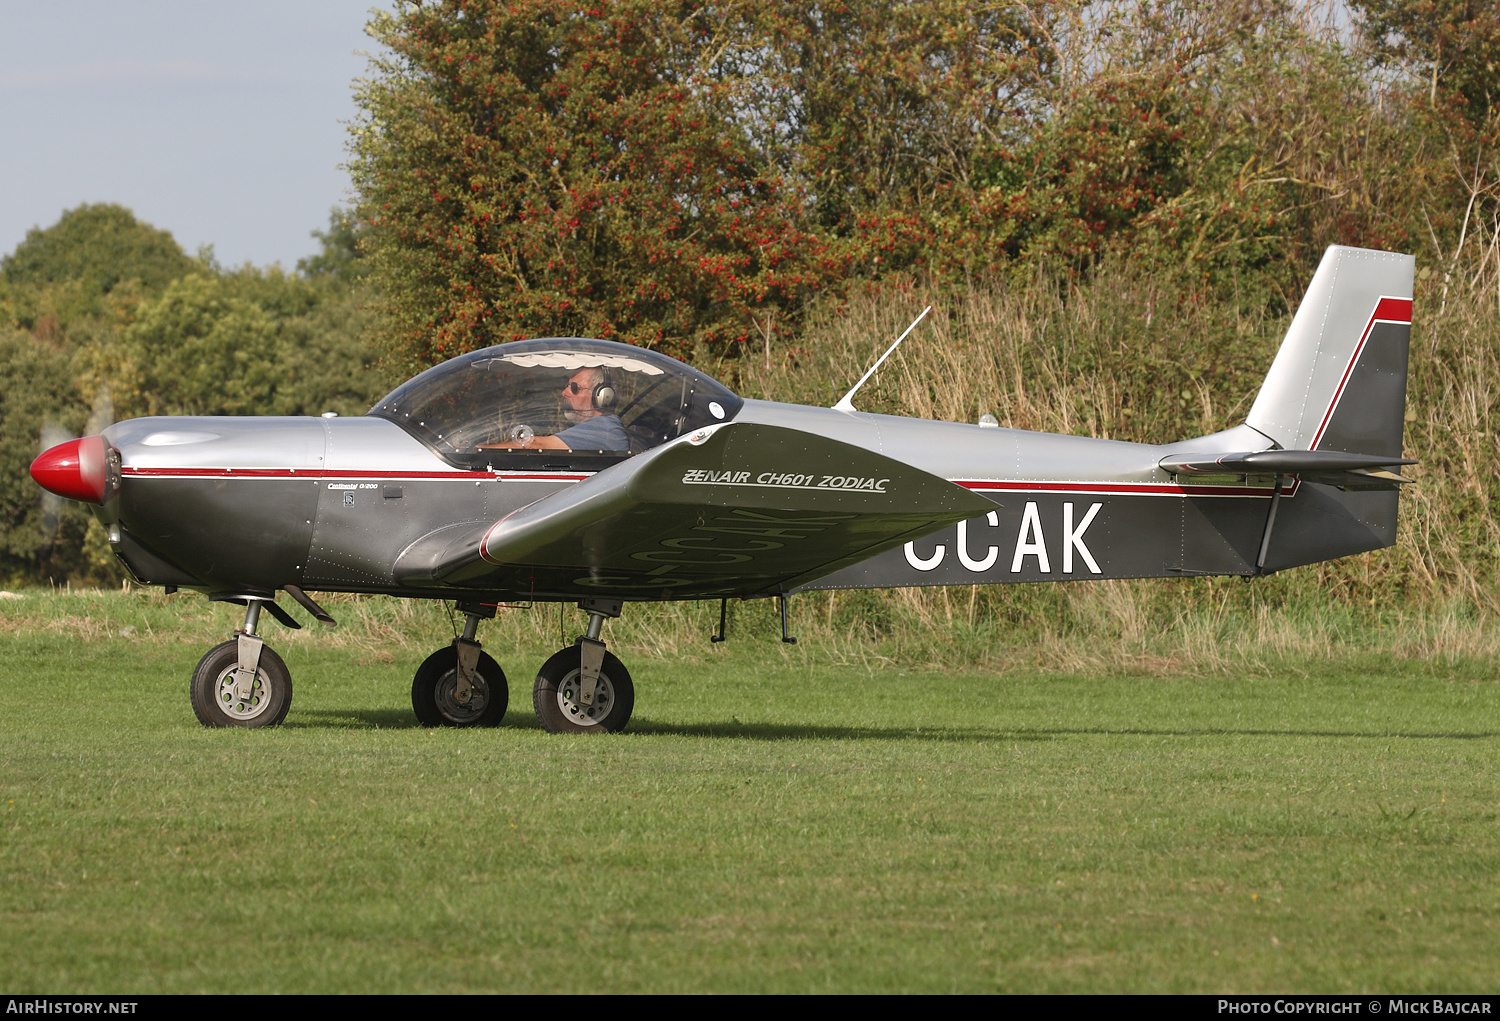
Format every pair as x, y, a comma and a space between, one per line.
102, 413
72, 468
52, 503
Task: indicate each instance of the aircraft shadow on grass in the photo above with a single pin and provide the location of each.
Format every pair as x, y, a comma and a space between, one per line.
397, 719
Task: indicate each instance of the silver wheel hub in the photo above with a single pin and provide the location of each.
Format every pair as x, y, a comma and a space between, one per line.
243, 708
578, 713
445, 694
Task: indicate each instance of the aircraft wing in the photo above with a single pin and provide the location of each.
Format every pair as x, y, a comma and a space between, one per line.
735, 509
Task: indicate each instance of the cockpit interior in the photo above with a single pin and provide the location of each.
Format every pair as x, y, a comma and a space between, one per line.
555, 402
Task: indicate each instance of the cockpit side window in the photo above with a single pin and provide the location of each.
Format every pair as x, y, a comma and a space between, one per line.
561, 399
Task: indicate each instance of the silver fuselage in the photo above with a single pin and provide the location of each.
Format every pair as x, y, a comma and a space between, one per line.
250, 505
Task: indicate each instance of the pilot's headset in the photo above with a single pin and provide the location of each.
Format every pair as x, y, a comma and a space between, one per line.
605, 393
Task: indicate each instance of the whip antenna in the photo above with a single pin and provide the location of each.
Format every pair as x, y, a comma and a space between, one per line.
846, 403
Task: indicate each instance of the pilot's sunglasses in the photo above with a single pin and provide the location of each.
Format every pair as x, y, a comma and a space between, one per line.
575, 388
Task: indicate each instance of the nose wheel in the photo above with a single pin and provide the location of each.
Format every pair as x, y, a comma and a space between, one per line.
241, 683
218, 700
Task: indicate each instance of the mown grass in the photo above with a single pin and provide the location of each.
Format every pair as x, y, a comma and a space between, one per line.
777, 819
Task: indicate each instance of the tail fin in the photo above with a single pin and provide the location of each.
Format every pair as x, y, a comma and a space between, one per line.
1334, 406
1339, 380
1338, 386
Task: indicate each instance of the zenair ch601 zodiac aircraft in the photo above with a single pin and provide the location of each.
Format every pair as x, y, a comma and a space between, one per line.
593, 472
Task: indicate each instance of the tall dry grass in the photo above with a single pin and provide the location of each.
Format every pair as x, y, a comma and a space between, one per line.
1132, 353
1198, 627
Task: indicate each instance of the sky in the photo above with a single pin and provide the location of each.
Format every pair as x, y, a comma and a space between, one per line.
221, 122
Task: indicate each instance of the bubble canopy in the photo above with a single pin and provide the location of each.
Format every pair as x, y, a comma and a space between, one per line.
567, 398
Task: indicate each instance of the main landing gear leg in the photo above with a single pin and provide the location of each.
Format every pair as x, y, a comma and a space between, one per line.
584, 689
461, 686
241, 682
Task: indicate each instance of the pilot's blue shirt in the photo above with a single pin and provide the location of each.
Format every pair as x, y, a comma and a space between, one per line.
602, 432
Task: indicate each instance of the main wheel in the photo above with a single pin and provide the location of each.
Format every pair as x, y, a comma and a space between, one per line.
555, 696
214, 700
434, 692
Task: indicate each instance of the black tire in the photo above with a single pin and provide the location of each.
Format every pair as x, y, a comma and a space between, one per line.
553, 696
436, 680
212, 689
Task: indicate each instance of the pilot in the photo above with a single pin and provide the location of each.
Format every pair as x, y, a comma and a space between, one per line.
589, 402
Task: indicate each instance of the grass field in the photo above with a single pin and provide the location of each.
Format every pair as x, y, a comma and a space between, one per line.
773, 821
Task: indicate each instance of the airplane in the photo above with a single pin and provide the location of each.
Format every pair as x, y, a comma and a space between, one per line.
593, 472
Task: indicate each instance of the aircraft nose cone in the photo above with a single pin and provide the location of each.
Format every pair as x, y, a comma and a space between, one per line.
75, 469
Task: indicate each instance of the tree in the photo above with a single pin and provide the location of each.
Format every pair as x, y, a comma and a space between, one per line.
880, 113
327, 361
1452, 44
1449, 53
341, 259
532, 168
198, 351
37, 396
94, 327
96, 248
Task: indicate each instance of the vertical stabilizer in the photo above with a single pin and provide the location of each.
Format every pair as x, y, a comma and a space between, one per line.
1339, 384
1339, 379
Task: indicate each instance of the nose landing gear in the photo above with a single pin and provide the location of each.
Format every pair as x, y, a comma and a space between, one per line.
241, 683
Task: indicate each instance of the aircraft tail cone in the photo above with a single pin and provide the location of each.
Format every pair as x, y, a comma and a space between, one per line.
77, 470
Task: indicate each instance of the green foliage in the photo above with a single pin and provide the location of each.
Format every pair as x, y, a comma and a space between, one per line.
880, 115
341, 259
327, 361
249, 342
202, 352
36, 391
534, 168
103, 317
1454, 44
696, 176
92, 250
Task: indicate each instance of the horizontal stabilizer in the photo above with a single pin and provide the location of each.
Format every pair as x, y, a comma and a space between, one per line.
1276, 462
1325, 467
